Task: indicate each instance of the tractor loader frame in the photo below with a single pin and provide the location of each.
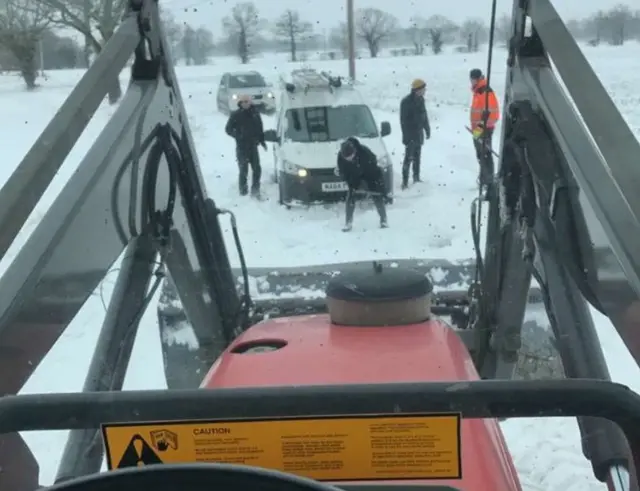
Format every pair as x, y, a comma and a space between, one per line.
563, 210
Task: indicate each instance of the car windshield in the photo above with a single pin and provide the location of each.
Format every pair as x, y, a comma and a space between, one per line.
246, 81
329, 123
436, 204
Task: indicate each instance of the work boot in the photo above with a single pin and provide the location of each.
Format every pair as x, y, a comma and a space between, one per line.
347, 227
243, 189
255, 191
416, 179
382, 212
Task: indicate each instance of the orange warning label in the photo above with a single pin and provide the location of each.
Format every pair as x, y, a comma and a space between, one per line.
361, 448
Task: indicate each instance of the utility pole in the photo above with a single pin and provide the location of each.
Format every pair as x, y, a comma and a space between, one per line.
41, 49
351, 37
86, 11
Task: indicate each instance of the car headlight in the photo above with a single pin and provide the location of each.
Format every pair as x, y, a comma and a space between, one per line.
384, 162
270, 95
234, 96
295, 169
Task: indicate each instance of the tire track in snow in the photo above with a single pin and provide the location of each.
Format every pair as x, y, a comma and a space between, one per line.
548, 456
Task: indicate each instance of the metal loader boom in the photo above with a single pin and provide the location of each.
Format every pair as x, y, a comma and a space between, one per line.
566, 211
137, 189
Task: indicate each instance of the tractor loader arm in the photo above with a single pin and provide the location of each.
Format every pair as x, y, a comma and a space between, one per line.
138, 189
565, 211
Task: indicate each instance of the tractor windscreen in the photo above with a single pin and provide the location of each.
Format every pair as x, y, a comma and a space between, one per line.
210, 232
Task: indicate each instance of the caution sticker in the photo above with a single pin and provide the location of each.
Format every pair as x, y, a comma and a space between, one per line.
364, 448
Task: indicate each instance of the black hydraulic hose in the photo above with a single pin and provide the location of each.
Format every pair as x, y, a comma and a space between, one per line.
476, 219
117, 182
246, 303
477, 205
242, 316
160, 220
492, 30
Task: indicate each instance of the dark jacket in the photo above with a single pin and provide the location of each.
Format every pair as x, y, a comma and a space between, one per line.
414, 120
245, 126
362, 169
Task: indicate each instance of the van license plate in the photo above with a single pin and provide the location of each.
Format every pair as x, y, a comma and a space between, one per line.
332, 187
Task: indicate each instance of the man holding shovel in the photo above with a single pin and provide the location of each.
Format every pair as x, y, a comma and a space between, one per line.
485, 113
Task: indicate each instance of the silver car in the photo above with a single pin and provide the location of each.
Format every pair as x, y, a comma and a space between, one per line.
235, 84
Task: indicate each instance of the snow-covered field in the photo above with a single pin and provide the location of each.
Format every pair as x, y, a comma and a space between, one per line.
432, 223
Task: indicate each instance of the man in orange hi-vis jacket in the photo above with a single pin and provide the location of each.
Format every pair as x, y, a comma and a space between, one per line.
485, 113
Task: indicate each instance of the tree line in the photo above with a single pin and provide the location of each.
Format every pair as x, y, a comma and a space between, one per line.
31, 34
245, 32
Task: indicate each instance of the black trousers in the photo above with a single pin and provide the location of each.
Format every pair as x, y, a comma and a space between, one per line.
378, 201
248, 156
412, 156
484, 155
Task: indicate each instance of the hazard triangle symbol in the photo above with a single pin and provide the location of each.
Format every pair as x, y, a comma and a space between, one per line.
138, 453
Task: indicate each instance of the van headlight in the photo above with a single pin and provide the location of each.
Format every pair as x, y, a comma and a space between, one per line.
270, 95
234, 97
297, 170
384, 162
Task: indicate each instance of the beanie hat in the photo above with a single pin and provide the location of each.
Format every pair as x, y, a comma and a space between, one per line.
418, 84
347, 149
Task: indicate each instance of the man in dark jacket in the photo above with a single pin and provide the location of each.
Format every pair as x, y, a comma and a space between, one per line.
358, 166
245, 126
414, 122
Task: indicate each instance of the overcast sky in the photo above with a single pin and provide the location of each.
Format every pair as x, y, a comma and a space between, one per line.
328, 13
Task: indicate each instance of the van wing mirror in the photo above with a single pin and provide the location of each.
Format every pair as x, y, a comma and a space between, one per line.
385, 128
271, 136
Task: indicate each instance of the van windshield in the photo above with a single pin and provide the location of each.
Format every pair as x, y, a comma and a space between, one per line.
330, 123
246, 80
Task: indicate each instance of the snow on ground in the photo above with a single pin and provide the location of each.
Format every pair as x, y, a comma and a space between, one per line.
434, 223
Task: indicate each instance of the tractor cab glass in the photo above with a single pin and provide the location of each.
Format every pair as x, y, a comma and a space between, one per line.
348, 283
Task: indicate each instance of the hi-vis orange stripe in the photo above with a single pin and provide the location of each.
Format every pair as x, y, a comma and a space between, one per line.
484, 100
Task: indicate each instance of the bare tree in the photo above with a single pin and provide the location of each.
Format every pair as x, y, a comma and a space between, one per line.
503, 29
196, 45
635, 25
173, 30
96, 20
203, 45
241, 27
595, 27
418, 34
290, 28
339, 39
472, 33
618, 22
441, 30
188, 44
373, 26
22, 25
59, 52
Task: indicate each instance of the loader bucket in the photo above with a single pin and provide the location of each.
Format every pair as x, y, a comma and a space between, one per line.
291, 291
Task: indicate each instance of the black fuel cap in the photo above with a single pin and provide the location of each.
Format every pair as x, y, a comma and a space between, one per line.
379, 284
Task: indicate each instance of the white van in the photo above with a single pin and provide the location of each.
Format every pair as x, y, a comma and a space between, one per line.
317, 113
